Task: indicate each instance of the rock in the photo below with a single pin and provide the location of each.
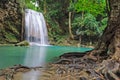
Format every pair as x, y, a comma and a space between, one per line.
73, 54
23, 43
18, 1
10, 21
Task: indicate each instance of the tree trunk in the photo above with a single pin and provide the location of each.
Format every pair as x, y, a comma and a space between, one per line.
45, 9
22, 27
70, 27
110, 40
23, 19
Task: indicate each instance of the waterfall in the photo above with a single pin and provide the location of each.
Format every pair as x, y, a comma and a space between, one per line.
35, 34
35, 28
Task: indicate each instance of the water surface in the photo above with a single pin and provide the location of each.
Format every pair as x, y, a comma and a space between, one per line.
33, 55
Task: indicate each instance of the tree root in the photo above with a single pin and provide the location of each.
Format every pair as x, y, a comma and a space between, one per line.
113, 75
107, 70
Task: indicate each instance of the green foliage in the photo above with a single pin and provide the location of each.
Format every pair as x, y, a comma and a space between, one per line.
71, 5
54, 10
10, 37
103, 25
85, 16
86, 26
55, 17
54, 29
11, 27
94, 7
31, 4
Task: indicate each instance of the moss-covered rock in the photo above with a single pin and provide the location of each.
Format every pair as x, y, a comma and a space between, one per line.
23, 43
10, 21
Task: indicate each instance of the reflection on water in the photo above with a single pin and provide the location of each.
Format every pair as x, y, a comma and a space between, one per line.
35, 57
31, 75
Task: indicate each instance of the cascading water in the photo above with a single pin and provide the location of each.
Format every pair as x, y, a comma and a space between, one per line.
36, 34
35, 28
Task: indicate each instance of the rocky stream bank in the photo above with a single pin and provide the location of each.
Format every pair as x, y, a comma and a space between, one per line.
69, 67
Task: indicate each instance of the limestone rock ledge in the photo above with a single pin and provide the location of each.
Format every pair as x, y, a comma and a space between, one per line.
10, 21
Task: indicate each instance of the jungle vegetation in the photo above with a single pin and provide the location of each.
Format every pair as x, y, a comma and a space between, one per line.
82, 21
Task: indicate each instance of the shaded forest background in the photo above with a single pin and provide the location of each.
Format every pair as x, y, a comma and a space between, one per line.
69, 22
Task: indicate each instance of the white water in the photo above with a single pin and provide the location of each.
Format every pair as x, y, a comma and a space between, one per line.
35, 28
36, 35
